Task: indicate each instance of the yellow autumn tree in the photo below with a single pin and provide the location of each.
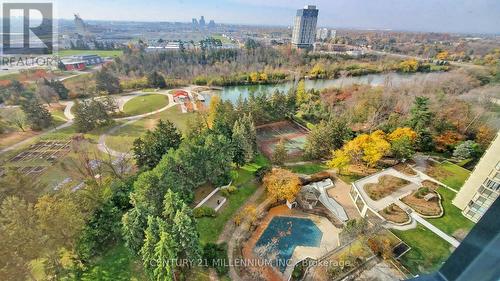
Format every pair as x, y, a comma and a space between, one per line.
302, 96
443, 55
340, 160
212, 110
263, 77
410, 65
254, 77
400, 133
375, 148
317, 70
282, 184
364, 148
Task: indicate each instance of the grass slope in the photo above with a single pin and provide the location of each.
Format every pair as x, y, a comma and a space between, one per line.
428, 251
452, 220
454, 176
102, 53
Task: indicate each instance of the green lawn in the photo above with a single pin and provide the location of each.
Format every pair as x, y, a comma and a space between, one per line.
144, 104
211, 228
452, 220
308, 169
123, 138
101, 53
117, 264
452, 175
428, 251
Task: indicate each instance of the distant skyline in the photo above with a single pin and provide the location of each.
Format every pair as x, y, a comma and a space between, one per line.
461, 16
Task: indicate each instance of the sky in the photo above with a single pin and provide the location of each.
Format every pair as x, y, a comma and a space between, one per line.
467, 16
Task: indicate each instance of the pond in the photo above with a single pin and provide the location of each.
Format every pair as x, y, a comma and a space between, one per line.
233, 92
283, 235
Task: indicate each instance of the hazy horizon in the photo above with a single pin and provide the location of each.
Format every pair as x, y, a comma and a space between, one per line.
455, 16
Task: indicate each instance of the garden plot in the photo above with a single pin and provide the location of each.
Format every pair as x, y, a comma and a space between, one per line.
38, 157
268, 136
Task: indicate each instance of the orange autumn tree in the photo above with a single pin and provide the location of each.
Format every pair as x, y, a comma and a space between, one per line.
448, 140
282, 184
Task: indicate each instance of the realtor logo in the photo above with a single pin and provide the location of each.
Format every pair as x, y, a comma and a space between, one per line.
27, 28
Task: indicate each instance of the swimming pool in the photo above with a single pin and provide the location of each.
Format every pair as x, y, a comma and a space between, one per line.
283, 235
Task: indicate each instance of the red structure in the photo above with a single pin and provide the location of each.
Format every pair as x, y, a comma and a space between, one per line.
180, 96
79, 65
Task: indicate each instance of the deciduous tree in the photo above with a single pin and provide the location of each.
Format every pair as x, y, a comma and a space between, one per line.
282, 184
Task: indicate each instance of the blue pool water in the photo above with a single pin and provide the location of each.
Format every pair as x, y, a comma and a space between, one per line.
281, 237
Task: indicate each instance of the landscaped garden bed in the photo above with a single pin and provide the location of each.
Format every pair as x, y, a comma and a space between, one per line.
394, 213
386, 185
417, 201
405, 169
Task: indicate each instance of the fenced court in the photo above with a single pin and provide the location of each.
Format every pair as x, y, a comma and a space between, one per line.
269, 135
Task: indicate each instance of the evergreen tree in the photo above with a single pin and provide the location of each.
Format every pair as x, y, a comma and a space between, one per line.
107, 82
279, 154
149, 150
156, 80
185, 234
36, 114
325, 137
420, 114
239, 143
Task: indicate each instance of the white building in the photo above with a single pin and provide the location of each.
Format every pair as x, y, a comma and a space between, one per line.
322, 33
304, 28
483, 185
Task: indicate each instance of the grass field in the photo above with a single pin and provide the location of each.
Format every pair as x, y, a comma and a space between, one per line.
452, 220
308, 169
428, 251
101, 53
123, 138
450, 174
144, 104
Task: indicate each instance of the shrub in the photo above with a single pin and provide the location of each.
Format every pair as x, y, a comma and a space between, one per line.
204, 212
215, 256
228, 191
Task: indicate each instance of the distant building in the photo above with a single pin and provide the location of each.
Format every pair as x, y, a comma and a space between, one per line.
333, 34
322, 33
304, 28
202, 21
195, 22
211, 24
483, 186
71, 65
89, 59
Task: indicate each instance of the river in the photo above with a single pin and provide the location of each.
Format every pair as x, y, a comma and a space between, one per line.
233, 92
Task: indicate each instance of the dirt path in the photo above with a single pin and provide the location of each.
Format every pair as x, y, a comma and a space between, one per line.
232, 233
229, 228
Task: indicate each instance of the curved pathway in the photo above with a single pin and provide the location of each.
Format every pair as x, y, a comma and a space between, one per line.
102, 146
131, 119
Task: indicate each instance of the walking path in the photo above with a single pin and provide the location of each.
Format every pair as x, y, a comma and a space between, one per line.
232, 233
102, 138
102, 146
436, 230
28, 140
